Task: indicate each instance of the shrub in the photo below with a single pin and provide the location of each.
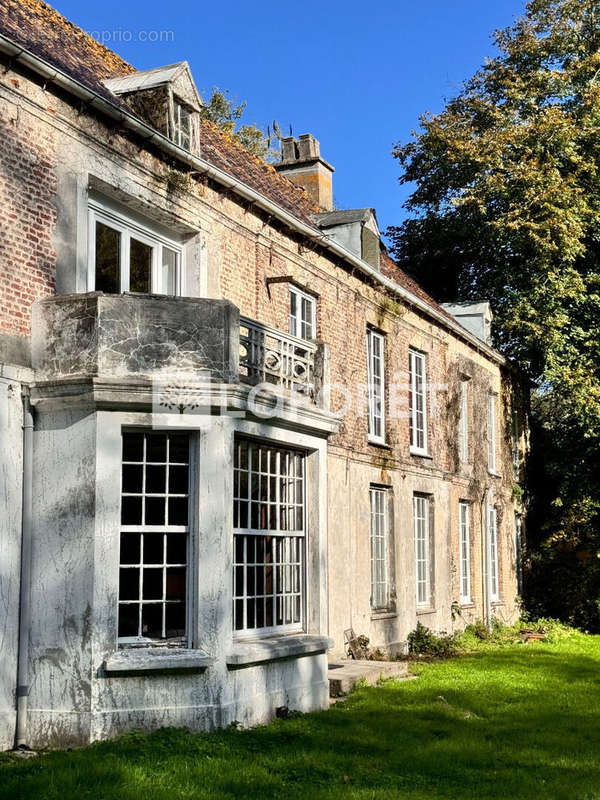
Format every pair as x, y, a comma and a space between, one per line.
423, 642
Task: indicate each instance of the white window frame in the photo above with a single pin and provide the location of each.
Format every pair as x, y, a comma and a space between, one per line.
492, 532
516, 445
186, 640
297, 324
418, 433
464, 538
423, 550
380, 549
299, 534
129, 228
463, 421
491, 433
376, 386
178, 105
519, 551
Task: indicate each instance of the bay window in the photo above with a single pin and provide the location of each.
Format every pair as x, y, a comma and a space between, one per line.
269, 538
153, 575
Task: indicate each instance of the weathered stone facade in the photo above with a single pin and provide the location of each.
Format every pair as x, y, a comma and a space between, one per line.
92, 364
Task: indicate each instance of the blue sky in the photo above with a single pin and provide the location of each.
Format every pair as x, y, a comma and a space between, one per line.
355, 75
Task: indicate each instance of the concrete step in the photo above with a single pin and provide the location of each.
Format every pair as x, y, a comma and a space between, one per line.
345, 674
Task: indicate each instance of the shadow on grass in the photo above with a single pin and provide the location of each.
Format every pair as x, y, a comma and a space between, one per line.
513, 723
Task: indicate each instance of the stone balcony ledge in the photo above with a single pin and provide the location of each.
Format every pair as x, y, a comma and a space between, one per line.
121, 336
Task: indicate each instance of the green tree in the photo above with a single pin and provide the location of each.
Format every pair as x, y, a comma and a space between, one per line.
221, 109
506, 206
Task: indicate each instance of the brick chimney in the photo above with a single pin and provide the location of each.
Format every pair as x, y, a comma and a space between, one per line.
301, 162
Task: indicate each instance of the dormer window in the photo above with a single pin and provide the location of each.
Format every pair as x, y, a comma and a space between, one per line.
182, 130
166, 98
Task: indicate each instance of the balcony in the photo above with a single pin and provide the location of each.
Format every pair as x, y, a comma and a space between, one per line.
271, 356
134, 339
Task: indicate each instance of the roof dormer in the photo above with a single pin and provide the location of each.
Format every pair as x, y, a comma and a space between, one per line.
355, 229
166, 98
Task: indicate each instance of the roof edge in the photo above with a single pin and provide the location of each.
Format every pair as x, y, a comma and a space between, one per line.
149, 134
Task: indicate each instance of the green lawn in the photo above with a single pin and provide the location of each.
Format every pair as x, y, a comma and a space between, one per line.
521, 721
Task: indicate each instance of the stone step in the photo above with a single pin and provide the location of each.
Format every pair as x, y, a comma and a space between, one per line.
345, 674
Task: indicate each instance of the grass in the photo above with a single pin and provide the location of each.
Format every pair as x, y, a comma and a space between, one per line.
519, 721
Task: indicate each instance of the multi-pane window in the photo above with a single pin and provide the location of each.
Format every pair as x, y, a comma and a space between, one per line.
418, 401
126, 257
519, 552
269, 538
302, 314
493, 552
380, 547
421, 511
376, 384
464, 530
154, 537
491, 432
463, 421
183, 125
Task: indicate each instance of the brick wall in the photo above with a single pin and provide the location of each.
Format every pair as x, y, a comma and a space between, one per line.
27, 216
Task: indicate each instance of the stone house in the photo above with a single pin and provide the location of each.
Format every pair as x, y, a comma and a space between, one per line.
232, 429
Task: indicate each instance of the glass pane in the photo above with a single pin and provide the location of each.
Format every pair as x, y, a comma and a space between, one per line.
131, 511
129, 584
128, 619
169, 271
133, 447
156, 479
153, 584
133, 475
108, 259
177, 548
140, 266
155, 511
176, 581
152, 620
157, 448
153, 548
130, 548
178, 511
175, 619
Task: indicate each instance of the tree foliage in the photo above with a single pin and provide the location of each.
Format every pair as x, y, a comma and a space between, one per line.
506, 206
221, 109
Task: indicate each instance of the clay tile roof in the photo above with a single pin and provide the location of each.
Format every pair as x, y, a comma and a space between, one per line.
41, 30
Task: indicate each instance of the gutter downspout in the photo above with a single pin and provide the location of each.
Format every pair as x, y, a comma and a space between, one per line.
25, 592
486, 559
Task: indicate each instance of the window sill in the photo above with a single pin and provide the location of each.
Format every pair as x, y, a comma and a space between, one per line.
466, 604
379, 443
425, 611
493, 474
383, 614
156, 659
257, 651
420, 454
